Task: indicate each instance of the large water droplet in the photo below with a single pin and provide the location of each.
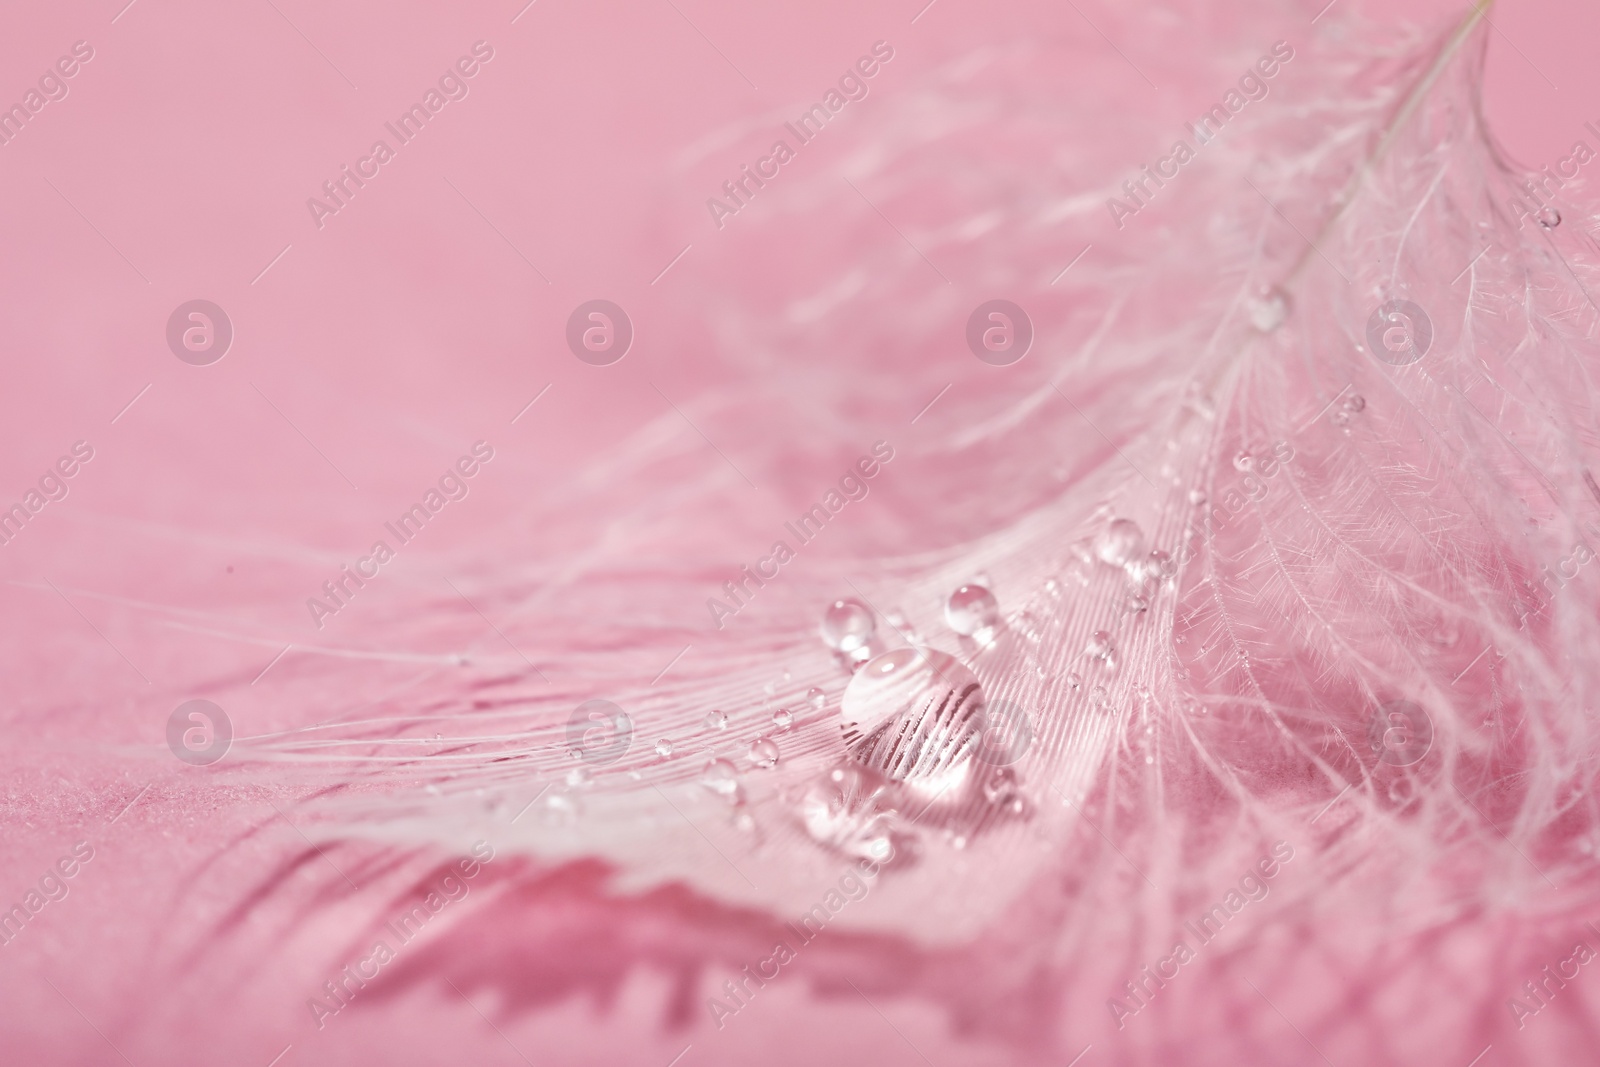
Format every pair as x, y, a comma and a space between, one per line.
913, 713
722, 778
716, 720
664, 747
847, 625
972, 611
764, 752
1120, 543
782, 719
847, 809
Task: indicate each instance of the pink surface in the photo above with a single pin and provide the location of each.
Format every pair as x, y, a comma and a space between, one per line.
372, 349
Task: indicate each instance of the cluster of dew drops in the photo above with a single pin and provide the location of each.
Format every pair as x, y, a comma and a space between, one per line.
849, 629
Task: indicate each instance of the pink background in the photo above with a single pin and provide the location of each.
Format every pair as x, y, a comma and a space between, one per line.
392, 339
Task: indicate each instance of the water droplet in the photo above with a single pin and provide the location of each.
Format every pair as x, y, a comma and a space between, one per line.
1000, 786
958, 842
1120, 543
1137, 603
783, 718
1269, 309
846, 809
745, 822
664, 747
1101, 646
817, 697
1355, 403
972, 611
764, 752
578, 777
1160, 565
1244, 461
1097, 695
716, 720
1197, 496
1074, 679
847, 625
1549, 217
722, 778
913, 713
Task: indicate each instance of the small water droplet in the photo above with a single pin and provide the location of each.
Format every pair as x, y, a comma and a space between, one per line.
1120, 543
1269, 309
578, 777
847, 625
817, 697
1074, 679
1197, 496
764, 752
1097, 695
1244, 461
1137, 603
1549, 217
1101, 646
744, 821
783, 718
958, 842
972, 611
1355, 403
1000, 786
1160, 566
716, 720
664, 747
